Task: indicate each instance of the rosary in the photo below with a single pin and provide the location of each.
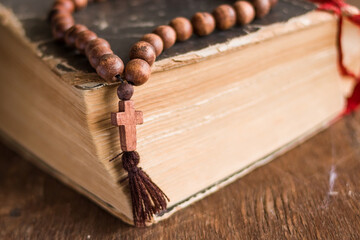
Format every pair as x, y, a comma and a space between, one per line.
147, 198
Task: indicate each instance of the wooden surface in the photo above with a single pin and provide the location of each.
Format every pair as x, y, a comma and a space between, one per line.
311, 192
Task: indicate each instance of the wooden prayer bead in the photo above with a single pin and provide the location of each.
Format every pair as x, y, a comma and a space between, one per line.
203, 23
143, 50
67, 4
125, 91
60, 28
95, 43
155, 41
182, 27
60, 17
245, 12
167, 34
262, 7
72, 32
55, 11
225, 16
109, 66
83, 38
80, 4
273, 2
137, 71
96, 53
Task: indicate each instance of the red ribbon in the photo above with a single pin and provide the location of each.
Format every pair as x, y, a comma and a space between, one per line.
344, 10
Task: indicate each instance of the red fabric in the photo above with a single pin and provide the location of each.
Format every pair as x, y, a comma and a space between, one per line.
355, 19
354, 100
341, 9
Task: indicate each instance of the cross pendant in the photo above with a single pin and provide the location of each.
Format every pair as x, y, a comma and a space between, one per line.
127, 119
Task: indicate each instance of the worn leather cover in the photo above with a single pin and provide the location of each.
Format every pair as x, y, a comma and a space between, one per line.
123, 22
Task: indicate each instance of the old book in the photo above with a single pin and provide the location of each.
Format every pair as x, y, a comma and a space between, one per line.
214, 108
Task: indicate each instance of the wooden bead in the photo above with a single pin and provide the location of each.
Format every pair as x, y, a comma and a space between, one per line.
125, 91
245, 12
182, 27
225, 16
72, 32
109, 67
155, 41
144, 51
60, 28
96, 53
203, 23
137, 71
80, 4
167, 34
273, 2
262, 7
95, 43
60, 17
56, 11
66, 4
83, 38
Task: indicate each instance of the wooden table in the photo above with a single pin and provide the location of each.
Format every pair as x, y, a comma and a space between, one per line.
311, 192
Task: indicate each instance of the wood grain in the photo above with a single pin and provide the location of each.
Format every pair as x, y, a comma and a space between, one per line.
127, 119
311, 192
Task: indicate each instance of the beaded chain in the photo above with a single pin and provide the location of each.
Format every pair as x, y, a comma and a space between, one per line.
147, 199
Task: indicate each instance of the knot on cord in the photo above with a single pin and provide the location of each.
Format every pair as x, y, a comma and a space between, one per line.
146, 197
130, 160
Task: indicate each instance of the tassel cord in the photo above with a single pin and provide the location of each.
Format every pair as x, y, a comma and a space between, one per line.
146, 197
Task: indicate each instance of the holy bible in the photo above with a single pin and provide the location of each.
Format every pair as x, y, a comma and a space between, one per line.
214, 108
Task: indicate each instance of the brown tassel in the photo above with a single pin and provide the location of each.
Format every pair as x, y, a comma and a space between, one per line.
147, 198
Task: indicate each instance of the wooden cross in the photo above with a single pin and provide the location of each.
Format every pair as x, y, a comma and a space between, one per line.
127, 119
